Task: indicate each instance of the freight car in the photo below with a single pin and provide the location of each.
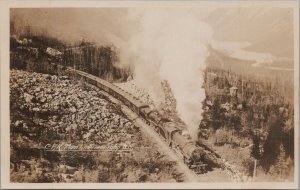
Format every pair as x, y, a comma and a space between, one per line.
197, 158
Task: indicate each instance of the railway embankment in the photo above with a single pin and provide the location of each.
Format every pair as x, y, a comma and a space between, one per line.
67, 132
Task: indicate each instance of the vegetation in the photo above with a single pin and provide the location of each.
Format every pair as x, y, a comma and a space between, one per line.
258, 120
99, 60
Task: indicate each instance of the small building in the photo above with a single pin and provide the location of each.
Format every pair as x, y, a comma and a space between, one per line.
233, 91
53, 52
226, 106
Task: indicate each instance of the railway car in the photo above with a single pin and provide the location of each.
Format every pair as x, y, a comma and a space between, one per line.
79, 75
170, 130
102, 86
144, 110
128, 100
90, 79
195, 157
154, 116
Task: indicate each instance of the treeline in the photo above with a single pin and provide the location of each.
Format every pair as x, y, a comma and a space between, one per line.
281, 80
262, 113
40, 38
99, 60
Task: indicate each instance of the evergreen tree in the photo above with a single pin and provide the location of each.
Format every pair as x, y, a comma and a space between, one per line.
255, 153
273, 141
280, 169
281, 164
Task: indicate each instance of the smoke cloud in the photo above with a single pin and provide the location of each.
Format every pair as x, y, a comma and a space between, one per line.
159, 43
171, 44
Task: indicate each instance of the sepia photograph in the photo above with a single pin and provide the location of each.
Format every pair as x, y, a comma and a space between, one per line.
169, 94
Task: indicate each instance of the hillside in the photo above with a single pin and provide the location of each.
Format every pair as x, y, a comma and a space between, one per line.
75, 134
282, 79
254, 123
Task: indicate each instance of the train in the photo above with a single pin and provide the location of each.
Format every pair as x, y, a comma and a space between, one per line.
197, 158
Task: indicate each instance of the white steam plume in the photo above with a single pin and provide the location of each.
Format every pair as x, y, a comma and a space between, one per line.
170, 44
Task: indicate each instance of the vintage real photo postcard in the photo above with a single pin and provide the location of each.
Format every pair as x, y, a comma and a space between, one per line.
149, 94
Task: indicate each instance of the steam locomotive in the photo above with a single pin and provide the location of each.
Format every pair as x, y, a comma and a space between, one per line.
198, 158
195, 157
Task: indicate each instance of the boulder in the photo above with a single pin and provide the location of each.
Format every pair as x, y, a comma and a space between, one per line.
36, 109
38, 89
73, 110
43, 100
18, 123
28, 98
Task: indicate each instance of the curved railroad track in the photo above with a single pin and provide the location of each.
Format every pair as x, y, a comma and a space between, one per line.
165, 130
132, 107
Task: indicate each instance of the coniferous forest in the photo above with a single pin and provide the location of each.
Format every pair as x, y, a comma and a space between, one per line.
256, 124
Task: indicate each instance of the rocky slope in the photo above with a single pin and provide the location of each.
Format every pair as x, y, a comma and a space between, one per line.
50, 115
